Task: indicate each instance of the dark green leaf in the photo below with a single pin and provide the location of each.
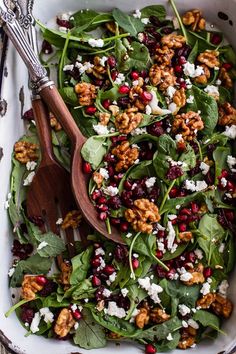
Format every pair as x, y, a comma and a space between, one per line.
130, 24
161, 331
94, 150
193, 54
80, 266
84, 290
85, 124
154, 10
226, 95
51, 301
55, 245
167, 345
207, 319
220, 157
69, 96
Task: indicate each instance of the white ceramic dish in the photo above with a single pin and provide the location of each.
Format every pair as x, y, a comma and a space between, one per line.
12, 127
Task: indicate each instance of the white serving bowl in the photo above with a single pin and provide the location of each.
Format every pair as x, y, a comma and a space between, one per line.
12, 127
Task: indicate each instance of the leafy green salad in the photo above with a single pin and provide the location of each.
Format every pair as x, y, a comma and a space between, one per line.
153, 94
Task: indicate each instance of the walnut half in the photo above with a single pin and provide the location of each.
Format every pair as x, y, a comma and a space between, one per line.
64, 323
188, 124
30, 287
227, 115
25, 151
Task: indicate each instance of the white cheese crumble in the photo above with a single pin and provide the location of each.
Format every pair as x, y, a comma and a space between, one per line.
223, 287
99, 43
68, 67
184, 324
169, 337
103, 60
100, 129
150, 182
34, 327
170, 235
137, 13
195, 186
222, 247
28, 180
63, 29
42, 245
198, 253
104, 172
184, 310
204, 167
231, 161
212, 90
230, 132
128, 235
76, 326
124, 292
179, 137
170, 91
190, 99
30, 166
83, 67
148, 109
145, 20
172, 216
188, 83
152, 289
114, 310
11, 271
191, 70
138, 131
59, 221
99, 252
223, 182
110, 190
119, 79
73, 307
47, 315
184, 275
205, 288
106, 292
79, 58
193, 323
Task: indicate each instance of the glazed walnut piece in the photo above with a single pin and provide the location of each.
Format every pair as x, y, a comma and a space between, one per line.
194, 19
104, 118
142, 215
30, 287
197, 275
202, 79
188, 124
209, 58
64, 277
86, 93
163, 77
227, 115
98, 70
127, 121
64, 323
225, 78
185, 236
72, 219
54, 123
25, 151
164, 55
179, 99
126, 156
206, 301
188, 338
173, 40
142, 317
222, 306
157, 315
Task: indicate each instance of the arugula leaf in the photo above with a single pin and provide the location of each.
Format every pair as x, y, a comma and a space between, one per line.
208, 107
207, 319
69, 96
55, 245
161, 331
80, 266
154, 10
89, 335
128, 23
94, 150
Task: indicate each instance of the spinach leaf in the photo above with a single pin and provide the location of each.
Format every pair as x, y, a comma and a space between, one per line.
85, 124
88, 20
112, 94
51, 301
226, 95
188, 158
229, 54
69, 96
139, 56
94, 150
167, 345
55, 245
89, 335
80, 266
193, 54
229, 254
180, 249
208, 107
167, 146
33, 265
128, 23
143, 137
144, 244
220, 157
161, 331
84, 290
207, 319
154, 10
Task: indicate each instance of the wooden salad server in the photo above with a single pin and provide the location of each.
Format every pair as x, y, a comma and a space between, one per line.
55, 103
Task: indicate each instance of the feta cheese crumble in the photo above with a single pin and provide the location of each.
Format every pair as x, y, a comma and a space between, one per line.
99, 252
198, 253
212, 90
231, 161
137, 14
205, 288
34, 327
190, 99
28, 180
230, 132
59, 221
42, 245
30, 166
152, 289
110, 190
99, 43
114, 310
192, 71
119, 79
124, 292
170, 235
68, 67
204, 168
223, 287
104, 173
150, 182
195, 186
47, 315
106, 292
184, 310
100, 129
169, 337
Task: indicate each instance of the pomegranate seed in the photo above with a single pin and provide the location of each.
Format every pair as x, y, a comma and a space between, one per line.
230, 186
146, 96
87, 167
182, 60
194, 207
111, 170
96, 194
77, 315
182, 227
182, 217
63, 23
114, 75
182, 193
224, 173
174, 221
124, 226
124, 89
128, 185
135, 263
134, 75
102, 207
115, 221
106, 103
103, 216
98, 82
178, 69
96, 281
216, 39
170, 274
207, 272
41, 280
109, 269
183, 85
186, 211
227, 66
161, 233
95, 262
91, 110
229, 214
102, 200
159, 254
143, 74
191, 257
150, 349
111, 61
174, 192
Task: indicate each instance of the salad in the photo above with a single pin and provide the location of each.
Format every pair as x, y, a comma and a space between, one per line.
154, 96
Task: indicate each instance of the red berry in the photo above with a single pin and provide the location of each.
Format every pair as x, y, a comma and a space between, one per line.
183, 85
41, 280
96, 281
90, 110
95, 195
207, 272
77, 315
182, 217
186, 211
194, 207
135, 263
103, 216
178, 69
102, 207
111, 61
95, 262
174, 192
143, 74
146, 96
106, 103
115, 221
216, 39
182, 60
224, 173
46, 47
128, 185
124, 226
182, 227
170, 274
229, 214
191, 257
161, 233
227, 66
124, 89
174, 221
102, 200
230, 186
87, 167
114, 75
150, 349
159, 254
135, 75
108, 269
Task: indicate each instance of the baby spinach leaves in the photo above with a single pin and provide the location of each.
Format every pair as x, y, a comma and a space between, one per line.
161, 331
154, 10
130, 24
207, 319
80, 266
69, 96
54, 245
94, 150
137, 56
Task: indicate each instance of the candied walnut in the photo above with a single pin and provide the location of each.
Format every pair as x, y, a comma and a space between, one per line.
157, 315
98, 179
206, 301
113, 335
137, 90
104, 118
111, 26
64, 323
173, 40
164, 55
25, 151
30, 287
188, 337
222, 306
185, 236
114, 109
197, 275
86, 93
126, 155
186, 343
210, 58
54, 123
142, 215
227, 115
66, 270
97, 70
194, 19
72, 219
127, 121
142, 317
202, 79
179, 99
188, 124
162, 77
225, 78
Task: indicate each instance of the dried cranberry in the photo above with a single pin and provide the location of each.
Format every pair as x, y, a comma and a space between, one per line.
229, 214
111, 171
21, 250
126, 198
96, 281
27, 314
124, 225
186, 211
183, 51
154, 193
77, 315
174, 172
207, 272
128, 185
63, 23
170, 274
95, 262
161, 233
155, 21
96, 194
114, 202
99, 293
106, 103
190, 256
209, 178
155, 129
182, 217
230, 186
109, 269
146, 96
174, 192
178, 69
161, 273
90, 110
111, 61
49, 287
41, 280
159, 254
216, 39
194, 207
87, 167
120, 253
46, 47
28, 115
143, 74
167, 30
182, 60
115, 221
150, 349
138, 192
102, 207
114, 74
102, 200
123, 102
182, 227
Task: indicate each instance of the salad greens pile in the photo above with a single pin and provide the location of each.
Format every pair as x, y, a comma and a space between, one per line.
161, 91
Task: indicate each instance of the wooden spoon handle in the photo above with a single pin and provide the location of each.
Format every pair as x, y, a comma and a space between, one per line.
41, 116
53, 99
